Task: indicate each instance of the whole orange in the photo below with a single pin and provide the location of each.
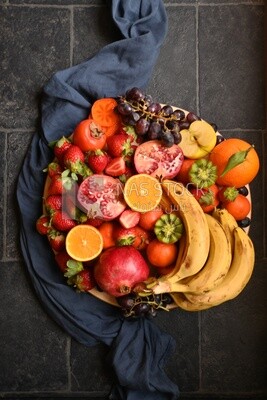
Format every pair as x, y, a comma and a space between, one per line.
240, 175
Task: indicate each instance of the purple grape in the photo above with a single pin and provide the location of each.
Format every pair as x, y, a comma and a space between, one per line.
134, 94
191, 117
142, 126
154, 130
243, 190
244, 223
154, 108
177, 137
184, 125
141, 309
167, 139
173, 125
179, 114
166, 111
124, 109
127, 302
219, 139
133, 118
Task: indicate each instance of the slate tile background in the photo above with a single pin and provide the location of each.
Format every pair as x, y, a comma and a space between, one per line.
212, 63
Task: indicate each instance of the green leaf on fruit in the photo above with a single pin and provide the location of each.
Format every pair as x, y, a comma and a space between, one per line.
73, 267
236, 159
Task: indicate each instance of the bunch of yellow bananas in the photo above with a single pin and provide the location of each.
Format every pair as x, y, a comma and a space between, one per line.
215, 259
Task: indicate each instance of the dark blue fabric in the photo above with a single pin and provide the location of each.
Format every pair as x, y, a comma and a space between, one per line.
138, 349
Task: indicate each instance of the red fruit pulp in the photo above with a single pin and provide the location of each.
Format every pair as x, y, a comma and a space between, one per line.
155, 159
119, 269
101, 196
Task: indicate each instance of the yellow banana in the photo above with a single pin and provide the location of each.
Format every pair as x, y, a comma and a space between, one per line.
196, 234
182, 302
237, 277
216, 266
228, 222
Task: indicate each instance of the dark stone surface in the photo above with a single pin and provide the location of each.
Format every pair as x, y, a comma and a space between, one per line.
211, 62
231, 88
34, 44
34, 351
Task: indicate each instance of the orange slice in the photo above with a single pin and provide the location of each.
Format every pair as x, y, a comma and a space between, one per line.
142, 192
84, 243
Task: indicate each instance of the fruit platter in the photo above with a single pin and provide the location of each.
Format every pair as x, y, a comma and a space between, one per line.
146, 206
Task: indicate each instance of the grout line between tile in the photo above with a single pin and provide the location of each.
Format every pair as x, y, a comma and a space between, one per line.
71, 34
4, 222
68, 362
200, 351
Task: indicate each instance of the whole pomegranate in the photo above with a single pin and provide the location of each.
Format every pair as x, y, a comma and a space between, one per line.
119, 269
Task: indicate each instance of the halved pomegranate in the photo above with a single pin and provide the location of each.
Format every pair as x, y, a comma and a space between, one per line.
155, 159
101, 196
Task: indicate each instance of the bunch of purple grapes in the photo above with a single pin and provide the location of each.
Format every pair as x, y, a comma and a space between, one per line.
133, 305
152, 120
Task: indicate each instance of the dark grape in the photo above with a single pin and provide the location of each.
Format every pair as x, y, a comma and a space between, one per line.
124, 109
134, 94
166, 299
219, 139
154, 108
167, 139
244, 223
142, 126
243, 190
148, 100
141, 308
133, 118
154, 130
179, 114
184, 125
173, 125
177, 137
127, 301
166, 111
191, 117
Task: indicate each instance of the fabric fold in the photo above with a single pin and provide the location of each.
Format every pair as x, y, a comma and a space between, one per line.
136, 346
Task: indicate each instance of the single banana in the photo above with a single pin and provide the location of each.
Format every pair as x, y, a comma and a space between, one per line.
228, 222
216, 266
196, 233
182, 302
237, 277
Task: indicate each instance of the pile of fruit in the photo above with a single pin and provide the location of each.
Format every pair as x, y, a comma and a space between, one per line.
146, 204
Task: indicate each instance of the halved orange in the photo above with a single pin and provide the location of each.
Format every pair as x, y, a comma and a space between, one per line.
84, 243
142, 192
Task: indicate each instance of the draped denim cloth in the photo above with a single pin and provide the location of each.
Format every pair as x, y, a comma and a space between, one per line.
138, 349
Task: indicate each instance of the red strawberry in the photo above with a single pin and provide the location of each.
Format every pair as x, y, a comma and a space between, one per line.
61, 147
116, 167
97, 161
129, 218
53, 202
53, 169
42, 225
56, 240
84, 280
136, 237
74, 161
120, 145
55, 186
61, 221
67, 265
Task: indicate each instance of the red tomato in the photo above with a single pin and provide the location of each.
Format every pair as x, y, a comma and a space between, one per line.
239, 208
88, 135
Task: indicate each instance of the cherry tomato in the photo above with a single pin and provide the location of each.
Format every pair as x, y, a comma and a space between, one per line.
239, 208
161, 254
88, 135
148, 219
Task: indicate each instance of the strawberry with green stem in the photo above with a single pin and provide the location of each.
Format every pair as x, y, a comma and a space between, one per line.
97, 160
74, 161
67, 265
